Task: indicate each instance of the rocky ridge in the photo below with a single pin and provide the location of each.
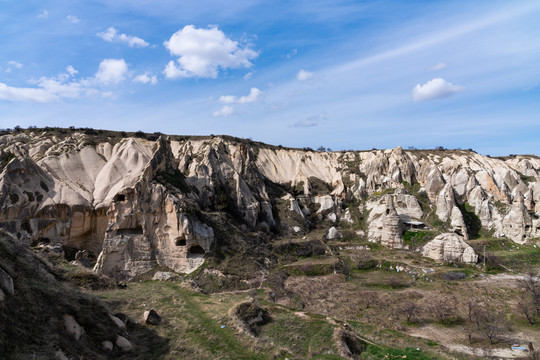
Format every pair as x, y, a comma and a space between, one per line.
135, 203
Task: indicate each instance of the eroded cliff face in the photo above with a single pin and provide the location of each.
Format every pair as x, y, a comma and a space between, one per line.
135, 203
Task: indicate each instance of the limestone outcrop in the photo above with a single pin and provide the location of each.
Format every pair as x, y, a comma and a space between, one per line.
135, 203
450, 247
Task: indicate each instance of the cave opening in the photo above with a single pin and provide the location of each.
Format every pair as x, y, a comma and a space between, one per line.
196, 250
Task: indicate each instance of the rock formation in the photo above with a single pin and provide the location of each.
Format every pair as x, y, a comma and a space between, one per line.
385, 225
450, 247
135, 203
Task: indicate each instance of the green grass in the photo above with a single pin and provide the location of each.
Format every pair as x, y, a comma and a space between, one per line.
505, 252
193, 329
300, 337
415, 239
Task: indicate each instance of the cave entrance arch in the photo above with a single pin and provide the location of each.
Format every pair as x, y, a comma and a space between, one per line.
196, 251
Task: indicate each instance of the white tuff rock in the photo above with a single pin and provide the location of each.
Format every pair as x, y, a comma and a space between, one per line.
450, 247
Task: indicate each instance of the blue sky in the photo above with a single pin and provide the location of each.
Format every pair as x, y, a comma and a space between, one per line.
340, 74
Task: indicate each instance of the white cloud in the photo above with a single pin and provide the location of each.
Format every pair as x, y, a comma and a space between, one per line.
248, 75
225, 111
145, 79
202, 52
111, 34
310, 121
43, 15
16, 64
253, 96
72, 19
228, 99
439, 66
304, 75
111, 71
48, 90
25, 94
71, 70
63, 86
435, 89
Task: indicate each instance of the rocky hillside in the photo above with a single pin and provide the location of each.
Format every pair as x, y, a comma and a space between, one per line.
137, 202
43, 317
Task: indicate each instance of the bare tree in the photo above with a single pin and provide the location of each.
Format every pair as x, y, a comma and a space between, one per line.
411, 309
443, 308
371, 298
472, 309
531, 285
525, 307
492, 324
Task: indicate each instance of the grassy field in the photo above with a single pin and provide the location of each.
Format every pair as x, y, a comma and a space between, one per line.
198, 326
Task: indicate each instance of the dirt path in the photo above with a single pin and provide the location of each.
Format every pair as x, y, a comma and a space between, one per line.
447, 338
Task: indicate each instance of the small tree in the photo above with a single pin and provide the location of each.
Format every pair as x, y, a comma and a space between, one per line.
531, 286
411, 310
370, 298
492, 324
526, 308
444, 308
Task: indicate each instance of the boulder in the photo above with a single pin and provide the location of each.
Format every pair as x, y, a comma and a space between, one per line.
450, 247
123, 343
334, 233
165, 276
107, 345
72, 327
121, 325
81, 257
151, 317
346, 217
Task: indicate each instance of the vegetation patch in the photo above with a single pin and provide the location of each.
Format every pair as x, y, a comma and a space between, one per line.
417, 238
174, 178
472, 221
248, 317
5, 158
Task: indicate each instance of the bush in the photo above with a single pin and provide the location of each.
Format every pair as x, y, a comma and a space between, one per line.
457, 275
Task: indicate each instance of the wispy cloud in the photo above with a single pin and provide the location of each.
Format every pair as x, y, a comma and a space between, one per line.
439, 37
146, 79
15, 64
112, 35
292, 53
43, 15
47, 90
64, 86
310, 121
225, 111
72, 19
304, 75
439, 66
253, 96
